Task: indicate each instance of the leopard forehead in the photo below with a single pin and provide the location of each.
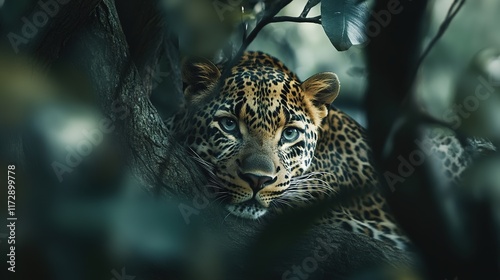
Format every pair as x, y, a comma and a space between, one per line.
263, 98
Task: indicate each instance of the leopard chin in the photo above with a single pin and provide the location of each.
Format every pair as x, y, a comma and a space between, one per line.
246, 210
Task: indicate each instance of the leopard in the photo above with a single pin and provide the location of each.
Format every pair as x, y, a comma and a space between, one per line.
270, 142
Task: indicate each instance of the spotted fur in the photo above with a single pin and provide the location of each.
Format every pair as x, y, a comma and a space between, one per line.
255, 169
454, 156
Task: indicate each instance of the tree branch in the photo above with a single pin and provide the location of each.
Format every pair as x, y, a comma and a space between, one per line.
268, 18
103, 53
297, 19
70, 18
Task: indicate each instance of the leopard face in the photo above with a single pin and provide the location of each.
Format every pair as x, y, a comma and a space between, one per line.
256, 130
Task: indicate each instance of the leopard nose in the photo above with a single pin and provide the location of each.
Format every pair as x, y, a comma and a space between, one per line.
258, 170
256, 182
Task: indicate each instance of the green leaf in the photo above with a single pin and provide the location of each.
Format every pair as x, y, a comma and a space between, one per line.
344, 22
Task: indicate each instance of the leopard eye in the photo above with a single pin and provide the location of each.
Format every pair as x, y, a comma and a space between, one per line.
290, 134
228, 125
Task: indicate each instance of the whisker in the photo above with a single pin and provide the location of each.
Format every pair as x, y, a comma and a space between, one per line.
224, 220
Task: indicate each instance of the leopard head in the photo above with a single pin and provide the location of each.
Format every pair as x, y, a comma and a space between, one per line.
256, 129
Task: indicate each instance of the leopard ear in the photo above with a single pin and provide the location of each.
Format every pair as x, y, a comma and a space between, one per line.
322, 89
199, 76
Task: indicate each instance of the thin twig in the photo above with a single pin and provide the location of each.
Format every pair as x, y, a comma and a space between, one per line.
452, 8
307, 8
452, 12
